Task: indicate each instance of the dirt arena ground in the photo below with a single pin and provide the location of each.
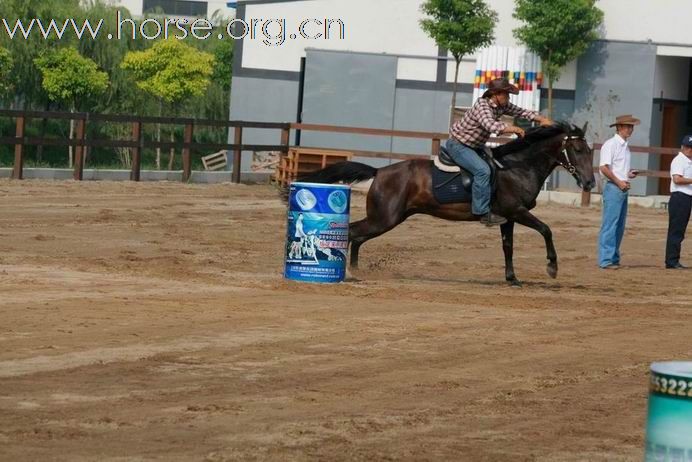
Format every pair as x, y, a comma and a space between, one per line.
151, 322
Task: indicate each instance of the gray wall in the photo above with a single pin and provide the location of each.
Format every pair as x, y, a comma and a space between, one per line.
618, 78
262, 100
423, 109
351, 90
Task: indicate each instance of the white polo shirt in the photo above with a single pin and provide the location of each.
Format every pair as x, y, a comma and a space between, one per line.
682, 166
616, 154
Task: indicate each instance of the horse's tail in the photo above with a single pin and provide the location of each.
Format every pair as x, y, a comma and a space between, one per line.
345, 172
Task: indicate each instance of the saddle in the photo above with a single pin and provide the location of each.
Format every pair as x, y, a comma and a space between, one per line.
451, 182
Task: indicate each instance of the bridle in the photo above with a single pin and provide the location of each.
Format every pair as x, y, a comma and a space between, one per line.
567, 164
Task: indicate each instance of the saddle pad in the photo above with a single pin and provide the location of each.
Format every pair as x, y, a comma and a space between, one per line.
453, 190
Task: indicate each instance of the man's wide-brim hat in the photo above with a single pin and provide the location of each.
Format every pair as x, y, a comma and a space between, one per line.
500, 85
626, 119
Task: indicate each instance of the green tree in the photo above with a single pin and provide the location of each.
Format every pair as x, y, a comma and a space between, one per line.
28, 92
68, 77
5, 72
558, 31
172, 72
223, 64
121, 95
460, 26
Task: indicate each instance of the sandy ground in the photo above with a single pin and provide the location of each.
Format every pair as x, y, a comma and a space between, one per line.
151, 322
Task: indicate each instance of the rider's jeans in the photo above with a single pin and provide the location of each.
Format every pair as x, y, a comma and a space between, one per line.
471, 161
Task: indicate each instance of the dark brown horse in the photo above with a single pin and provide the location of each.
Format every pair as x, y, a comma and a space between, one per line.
405, 188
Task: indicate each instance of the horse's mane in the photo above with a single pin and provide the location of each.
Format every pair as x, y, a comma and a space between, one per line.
536, 135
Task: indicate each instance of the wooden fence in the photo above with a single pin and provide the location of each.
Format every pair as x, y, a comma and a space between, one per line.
137, 143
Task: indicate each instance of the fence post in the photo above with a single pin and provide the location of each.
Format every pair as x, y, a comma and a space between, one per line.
435, 146
79, 150
585, 198
237, 154
187, 161
136, 151
285, 137
18, 170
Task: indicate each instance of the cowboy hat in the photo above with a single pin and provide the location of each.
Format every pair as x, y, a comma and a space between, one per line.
626, 119
499, 85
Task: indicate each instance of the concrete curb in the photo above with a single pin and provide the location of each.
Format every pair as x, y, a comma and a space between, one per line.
145, 175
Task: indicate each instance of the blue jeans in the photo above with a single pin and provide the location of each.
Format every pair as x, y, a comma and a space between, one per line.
471, 161
613, 225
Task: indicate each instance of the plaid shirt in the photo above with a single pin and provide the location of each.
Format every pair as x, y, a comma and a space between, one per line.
482, 119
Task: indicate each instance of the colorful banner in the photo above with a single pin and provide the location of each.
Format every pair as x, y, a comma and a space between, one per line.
518, 65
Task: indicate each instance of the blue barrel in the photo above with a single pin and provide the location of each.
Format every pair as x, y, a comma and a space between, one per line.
669, 421
317, 232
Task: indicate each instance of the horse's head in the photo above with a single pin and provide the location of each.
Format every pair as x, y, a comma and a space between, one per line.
577, 157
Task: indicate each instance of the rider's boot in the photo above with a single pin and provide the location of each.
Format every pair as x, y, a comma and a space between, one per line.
490, 219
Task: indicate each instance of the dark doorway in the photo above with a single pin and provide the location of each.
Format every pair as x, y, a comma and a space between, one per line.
669, 139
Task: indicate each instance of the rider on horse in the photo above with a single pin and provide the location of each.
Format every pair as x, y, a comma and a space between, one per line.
469, 135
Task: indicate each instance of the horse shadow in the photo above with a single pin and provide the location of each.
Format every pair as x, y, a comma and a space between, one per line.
494, 283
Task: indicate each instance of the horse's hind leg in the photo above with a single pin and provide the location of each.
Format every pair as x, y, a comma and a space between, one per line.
358, 233
362, 231
386, 207
508, 247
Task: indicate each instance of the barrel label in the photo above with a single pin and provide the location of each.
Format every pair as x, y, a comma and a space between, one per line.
317, 233
670, 386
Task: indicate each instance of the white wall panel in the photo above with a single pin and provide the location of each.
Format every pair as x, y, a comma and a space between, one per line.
384, 26
417, 69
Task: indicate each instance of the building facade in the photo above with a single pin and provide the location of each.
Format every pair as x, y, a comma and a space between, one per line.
368, 64
184, 8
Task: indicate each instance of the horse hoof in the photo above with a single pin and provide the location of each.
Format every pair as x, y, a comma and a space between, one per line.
552, 271
515, 283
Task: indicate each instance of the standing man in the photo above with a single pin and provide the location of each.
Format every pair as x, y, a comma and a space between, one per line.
680, 203
615, 167
469, 135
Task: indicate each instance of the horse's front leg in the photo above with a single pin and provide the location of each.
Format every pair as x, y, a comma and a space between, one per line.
527, 219
508, 248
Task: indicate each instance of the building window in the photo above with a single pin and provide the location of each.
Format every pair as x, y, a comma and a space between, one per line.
176, 7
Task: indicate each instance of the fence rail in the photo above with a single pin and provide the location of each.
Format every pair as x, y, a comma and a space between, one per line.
586, 196
136, 143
